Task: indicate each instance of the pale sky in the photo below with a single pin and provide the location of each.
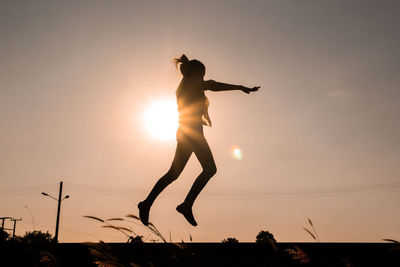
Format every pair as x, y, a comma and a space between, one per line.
320, 138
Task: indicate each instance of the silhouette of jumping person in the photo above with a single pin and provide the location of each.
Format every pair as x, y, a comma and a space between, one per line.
193, 114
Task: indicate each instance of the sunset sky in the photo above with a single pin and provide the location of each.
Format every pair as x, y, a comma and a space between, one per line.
321, 139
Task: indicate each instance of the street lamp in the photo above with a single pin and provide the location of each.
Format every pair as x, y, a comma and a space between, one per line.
47, 195
58, 208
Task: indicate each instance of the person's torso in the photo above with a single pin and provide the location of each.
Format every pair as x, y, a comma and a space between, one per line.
191, 102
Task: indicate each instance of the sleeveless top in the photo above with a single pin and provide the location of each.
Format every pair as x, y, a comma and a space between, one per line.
193, 103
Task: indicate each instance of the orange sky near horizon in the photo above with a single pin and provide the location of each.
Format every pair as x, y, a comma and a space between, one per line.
319, 140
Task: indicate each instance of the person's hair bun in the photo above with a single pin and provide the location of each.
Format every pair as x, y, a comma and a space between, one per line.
184, 64
183, 59
189, 67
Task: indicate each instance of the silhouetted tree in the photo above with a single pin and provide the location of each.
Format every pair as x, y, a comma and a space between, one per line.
3, 235
33, 249
37, 237
265, 237
230, 240
136, 239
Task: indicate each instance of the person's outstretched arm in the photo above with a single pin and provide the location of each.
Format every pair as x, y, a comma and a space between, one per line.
217, 86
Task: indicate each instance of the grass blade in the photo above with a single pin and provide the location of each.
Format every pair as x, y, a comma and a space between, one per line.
132, 216
115, 219
94, 218
308, 231
119, 228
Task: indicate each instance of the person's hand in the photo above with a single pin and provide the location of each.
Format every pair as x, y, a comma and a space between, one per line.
249, 90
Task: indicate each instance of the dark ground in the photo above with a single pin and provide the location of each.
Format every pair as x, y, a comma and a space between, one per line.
204, 254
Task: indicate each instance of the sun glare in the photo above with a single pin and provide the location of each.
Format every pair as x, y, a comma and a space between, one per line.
161, 119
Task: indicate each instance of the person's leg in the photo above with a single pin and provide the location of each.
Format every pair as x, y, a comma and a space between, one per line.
182, 155
204, 155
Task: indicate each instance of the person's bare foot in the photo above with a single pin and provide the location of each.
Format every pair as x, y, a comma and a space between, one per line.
144, 209
186, 211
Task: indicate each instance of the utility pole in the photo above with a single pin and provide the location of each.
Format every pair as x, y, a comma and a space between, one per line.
15, 225
3, 219
58, 212
58, 208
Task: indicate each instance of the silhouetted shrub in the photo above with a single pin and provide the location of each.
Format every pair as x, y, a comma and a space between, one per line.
230, 240
33, 249
37, 237
265, 237
3, 235
136, 239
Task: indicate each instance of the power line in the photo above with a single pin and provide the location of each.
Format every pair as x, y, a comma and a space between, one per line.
108, 190
245, 194
25, 190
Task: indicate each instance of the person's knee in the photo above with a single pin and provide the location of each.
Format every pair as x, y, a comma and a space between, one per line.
171, 175
211, 170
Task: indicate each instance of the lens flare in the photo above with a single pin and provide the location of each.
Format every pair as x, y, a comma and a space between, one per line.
236, 152
161, 119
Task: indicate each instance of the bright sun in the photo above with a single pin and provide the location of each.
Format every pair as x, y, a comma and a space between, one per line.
161, 119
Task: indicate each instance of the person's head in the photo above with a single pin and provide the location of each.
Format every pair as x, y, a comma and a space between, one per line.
190, 68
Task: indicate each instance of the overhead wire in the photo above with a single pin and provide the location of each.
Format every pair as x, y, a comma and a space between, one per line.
245, 194
26, 190
110, 190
